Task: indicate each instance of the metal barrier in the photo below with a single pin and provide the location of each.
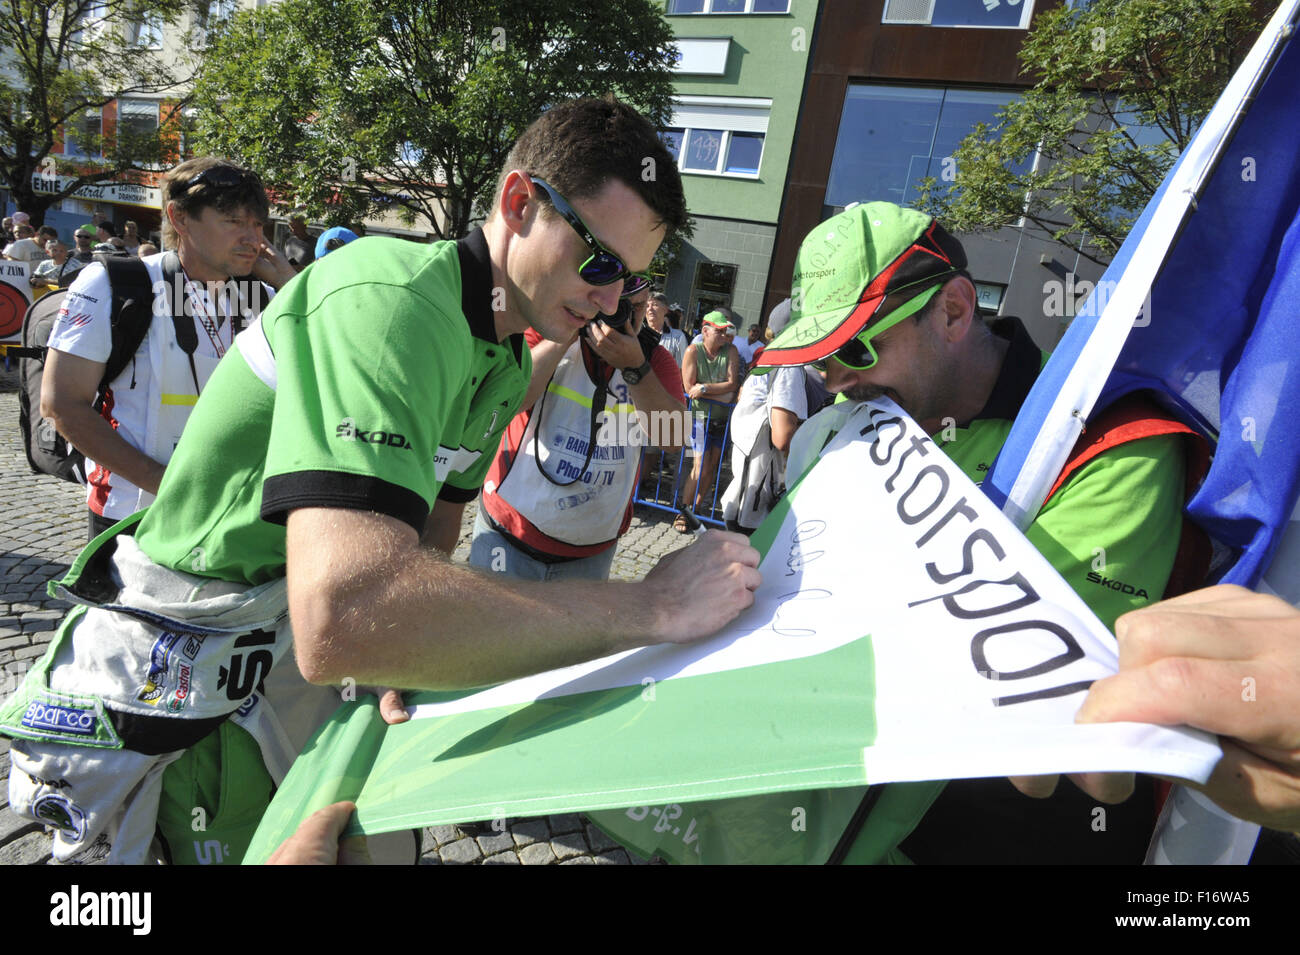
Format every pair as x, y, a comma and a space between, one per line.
661, 488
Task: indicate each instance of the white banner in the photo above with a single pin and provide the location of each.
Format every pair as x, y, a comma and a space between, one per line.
983, 654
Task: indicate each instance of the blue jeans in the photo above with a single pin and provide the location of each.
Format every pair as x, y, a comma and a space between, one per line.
492, 550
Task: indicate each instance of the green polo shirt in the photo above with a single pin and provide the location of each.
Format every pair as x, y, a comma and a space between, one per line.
373, 381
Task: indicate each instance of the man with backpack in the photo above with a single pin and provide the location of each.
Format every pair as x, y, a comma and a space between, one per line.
128, 426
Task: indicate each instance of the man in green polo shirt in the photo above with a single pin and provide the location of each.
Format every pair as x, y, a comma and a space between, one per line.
320, 482
882, 296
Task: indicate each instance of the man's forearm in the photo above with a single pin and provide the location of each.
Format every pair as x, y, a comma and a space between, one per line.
88, 432
394, 616
367, 602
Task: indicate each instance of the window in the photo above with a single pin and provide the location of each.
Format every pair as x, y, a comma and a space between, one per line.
211, 17
891, 137
137, 117
146, 33
720, 136
728, 6
981, 14
81, 137
90, 23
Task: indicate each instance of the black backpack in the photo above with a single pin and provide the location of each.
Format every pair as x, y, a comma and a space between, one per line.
48, 452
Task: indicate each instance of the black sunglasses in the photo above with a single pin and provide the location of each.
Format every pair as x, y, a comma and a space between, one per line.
219, 177
602, 267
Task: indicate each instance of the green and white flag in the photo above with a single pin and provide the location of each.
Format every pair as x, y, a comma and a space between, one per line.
904, 631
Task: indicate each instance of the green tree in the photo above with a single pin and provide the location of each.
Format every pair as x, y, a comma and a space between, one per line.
1122, 86
60, 59
356, 107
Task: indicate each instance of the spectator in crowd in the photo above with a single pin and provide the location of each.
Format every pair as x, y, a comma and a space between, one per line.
656, 316
749, 346
110, 243
711, 376
147, 249
84, 237
659, 320
300, 247
332, 239
131, 237
7, 233
553, 507
25, 248
54, 271
44, 234
769, 410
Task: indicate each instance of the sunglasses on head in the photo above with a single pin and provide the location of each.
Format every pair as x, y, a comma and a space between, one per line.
602, 267
219, 177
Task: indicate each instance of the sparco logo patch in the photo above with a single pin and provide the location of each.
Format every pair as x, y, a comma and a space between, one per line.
65, 719
348, 431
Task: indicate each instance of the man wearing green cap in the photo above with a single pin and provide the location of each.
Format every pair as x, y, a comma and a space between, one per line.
710, 372
882, 296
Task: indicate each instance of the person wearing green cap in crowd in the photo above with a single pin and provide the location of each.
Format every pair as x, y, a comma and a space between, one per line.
882, 296
710, 371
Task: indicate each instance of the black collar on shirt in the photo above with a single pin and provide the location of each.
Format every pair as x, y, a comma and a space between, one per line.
476, 291
1020, 369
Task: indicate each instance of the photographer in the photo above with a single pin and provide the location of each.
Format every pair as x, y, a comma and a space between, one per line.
553, 504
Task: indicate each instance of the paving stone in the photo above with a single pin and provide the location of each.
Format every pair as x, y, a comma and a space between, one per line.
441, 835
493, 842
36, 848
13, 643
503, 858
618, 857
569, 844
539, 853
528, 831
29, 653
579, 860
461, 852
565, 822
13, 825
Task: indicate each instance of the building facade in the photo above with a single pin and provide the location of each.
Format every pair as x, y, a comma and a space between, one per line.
893, 86
739, 81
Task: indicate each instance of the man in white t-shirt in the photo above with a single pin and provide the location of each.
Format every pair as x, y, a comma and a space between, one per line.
215, 213
769, 410
25, 248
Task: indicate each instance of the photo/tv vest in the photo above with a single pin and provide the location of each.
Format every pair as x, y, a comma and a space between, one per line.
586, 506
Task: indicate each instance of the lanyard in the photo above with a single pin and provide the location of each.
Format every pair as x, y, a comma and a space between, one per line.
208, 321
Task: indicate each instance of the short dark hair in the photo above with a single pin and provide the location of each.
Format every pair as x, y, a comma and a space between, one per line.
579, 145
107, 227
249, 193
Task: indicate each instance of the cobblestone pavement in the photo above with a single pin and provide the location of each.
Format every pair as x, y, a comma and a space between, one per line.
43, 526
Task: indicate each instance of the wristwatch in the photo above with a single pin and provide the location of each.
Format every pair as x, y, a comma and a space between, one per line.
634, 375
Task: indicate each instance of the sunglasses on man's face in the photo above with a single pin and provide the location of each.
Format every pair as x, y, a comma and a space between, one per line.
602, 267
858, 353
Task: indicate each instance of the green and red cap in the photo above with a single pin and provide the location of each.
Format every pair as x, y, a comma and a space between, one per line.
851, 263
